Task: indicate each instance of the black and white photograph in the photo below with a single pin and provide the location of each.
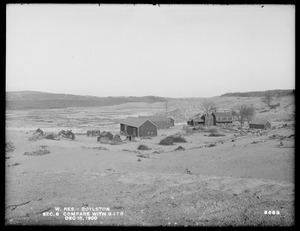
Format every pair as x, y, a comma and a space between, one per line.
152, 115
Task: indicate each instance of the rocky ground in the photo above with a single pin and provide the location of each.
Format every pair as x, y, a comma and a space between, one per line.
230, 180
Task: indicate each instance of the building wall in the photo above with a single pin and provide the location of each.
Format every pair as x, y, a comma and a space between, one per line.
162, 124
147, 129
172, 122
257, 126
220, 120
129, 130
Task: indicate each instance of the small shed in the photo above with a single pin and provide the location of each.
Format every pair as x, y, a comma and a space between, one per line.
196, 120
222, 117
105, 137
260, 124
138, 127
162, 122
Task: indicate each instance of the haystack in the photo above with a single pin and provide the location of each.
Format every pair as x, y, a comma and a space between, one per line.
116, 140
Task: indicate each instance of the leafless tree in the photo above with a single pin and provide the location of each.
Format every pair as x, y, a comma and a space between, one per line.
268, 98
244, 113
208, 107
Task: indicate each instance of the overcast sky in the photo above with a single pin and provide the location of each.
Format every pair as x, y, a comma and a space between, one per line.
137, 50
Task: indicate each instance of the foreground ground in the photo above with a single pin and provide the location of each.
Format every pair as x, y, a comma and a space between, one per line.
233, 183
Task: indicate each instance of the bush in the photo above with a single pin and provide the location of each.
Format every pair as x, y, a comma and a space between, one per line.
143, 147
37, 153
9, 147
170, 140
50, 137
178, 139
167, 141
180, 148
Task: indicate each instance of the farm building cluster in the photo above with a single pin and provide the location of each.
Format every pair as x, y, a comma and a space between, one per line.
219, 118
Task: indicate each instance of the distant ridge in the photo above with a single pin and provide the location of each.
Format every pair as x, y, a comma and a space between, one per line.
18, 100
276, 92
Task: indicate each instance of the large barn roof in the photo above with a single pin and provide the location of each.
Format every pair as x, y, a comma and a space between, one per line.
134, 122
259, 121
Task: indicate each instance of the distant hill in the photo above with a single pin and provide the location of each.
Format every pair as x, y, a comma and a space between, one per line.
277, 92
42, 100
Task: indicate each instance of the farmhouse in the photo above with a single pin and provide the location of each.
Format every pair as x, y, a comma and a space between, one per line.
260, 124
222, 117
138, 127
162, 122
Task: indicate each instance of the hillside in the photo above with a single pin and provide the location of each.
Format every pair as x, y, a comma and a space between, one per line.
42, 100
276, 92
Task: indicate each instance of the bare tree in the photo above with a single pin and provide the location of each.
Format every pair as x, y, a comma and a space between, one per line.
268, 98
208, 107
250, 113
244, 113
166, 106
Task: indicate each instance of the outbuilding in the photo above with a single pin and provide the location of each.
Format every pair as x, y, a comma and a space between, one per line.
196, 120
260, 124
162, 122
138, 127
222, 117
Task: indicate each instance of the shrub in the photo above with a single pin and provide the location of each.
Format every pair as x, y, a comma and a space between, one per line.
180, 148
178, 139
37, 153
9, 147
167, 141
143, 147
50, 137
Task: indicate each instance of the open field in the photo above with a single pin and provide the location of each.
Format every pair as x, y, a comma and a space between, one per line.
215, 181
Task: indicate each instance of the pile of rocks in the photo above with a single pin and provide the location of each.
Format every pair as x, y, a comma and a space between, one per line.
40, 152
276, 136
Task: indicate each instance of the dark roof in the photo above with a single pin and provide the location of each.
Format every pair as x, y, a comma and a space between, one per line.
155, 118
222, 114
134, 122
104, 134
259, 121
196, 118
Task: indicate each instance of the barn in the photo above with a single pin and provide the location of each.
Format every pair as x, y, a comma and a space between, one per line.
138, 127
222, 117
260, 124
162, 122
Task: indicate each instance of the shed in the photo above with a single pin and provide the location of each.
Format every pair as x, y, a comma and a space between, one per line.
138, 127
260, 124
162, 122
196, 120
222, 117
